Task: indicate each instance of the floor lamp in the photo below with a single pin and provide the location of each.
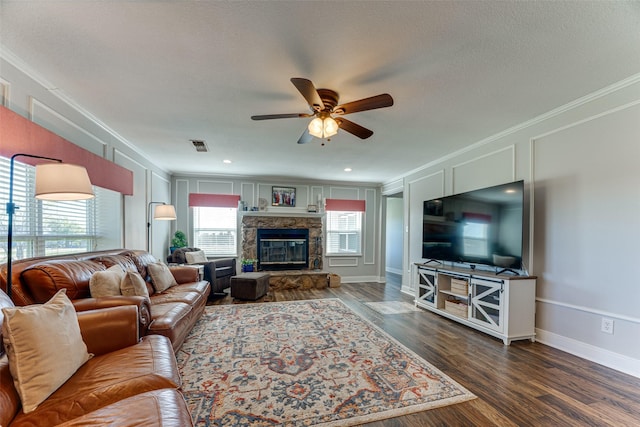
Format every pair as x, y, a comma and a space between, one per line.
54, 181
163, 212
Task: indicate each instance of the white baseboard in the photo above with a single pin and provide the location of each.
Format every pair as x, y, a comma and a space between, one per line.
397, 271
355, 279
612, 360
408, 291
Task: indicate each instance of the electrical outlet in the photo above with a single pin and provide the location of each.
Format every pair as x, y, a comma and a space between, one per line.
607, 326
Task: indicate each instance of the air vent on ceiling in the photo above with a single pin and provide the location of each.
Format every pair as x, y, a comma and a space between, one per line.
200, 145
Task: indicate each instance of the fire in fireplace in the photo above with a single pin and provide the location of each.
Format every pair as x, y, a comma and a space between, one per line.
283, 248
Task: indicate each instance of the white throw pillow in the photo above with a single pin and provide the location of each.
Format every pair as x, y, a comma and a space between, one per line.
161, 277
44, 346
106, 283
195, 257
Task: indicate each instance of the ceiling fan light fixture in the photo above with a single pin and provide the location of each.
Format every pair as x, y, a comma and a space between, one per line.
323, 127
330, 127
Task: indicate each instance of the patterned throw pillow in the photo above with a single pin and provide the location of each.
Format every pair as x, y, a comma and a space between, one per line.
44, 346
161, 277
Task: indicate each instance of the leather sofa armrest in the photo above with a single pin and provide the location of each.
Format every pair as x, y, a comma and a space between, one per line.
143, 304
185, 274
109, 329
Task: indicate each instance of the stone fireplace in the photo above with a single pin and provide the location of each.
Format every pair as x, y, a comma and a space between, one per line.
287, 242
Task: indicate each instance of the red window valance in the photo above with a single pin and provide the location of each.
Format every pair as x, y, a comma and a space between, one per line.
345, 205
19, 135
476, 217
213, 200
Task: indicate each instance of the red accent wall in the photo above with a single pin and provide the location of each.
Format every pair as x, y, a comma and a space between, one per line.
20, 135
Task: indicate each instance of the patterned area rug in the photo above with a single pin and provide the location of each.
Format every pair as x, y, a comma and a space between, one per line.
392, 307
303, 363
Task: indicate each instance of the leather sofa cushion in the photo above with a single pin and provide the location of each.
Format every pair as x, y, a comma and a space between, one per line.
191, 298
165, 408
106, 379
9, 398
201, 287
45, 279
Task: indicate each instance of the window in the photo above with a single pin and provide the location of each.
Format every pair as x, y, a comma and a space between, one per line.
215, 229
44, 228
475, 239
344, 232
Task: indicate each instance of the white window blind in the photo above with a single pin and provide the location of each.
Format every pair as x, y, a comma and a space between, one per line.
344, 232
43, 228
215, 230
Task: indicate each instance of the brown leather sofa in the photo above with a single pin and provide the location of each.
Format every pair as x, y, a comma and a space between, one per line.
128, 382
171, 313
218, 272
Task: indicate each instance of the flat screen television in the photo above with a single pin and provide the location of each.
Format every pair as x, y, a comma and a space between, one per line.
478, 227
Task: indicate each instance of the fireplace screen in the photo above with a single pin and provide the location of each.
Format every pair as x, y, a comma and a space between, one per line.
283, 249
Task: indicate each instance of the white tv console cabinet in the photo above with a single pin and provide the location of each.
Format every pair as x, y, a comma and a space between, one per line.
502, 305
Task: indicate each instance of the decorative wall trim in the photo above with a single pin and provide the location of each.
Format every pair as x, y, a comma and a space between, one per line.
248, 195
369, 228
19, 132
511, 148
394, 187
612, 360
5, 93
541, 118
590, 310
222, 187
343, 262
54, 91
34, 104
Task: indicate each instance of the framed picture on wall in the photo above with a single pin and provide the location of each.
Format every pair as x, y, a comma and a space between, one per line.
283, 196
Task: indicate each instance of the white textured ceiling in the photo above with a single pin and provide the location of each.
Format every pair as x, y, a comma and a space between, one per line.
160, 73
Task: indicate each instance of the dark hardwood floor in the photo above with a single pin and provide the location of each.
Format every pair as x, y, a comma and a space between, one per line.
524, 384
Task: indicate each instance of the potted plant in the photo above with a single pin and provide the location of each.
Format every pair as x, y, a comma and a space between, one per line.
179, 240
247, 264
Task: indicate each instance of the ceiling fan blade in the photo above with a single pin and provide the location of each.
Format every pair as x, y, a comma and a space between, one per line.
353, 128
305, 137
378, 101
280, 116
309, 92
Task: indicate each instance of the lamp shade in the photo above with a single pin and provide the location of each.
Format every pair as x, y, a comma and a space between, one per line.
165, 212
62, 181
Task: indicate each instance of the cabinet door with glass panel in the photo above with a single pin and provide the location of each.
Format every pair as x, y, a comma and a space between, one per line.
427, 289
487, 303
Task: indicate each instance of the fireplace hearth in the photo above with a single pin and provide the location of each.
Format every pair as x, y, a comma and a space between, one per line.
283, 249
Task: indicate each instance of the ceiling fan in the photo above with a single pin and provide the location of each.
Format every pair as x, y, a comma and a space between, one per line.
328, 114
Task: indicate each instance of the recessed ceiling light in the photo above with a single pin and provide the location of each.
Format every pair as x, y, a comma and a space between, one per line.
347, 169
227, 161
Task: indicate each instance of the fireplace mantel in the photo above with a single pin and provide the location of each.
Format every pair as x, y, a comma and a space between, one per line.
283, 214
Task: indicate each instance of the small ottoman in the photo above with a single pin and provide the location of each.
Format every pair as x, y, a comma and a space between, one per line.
250, 285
